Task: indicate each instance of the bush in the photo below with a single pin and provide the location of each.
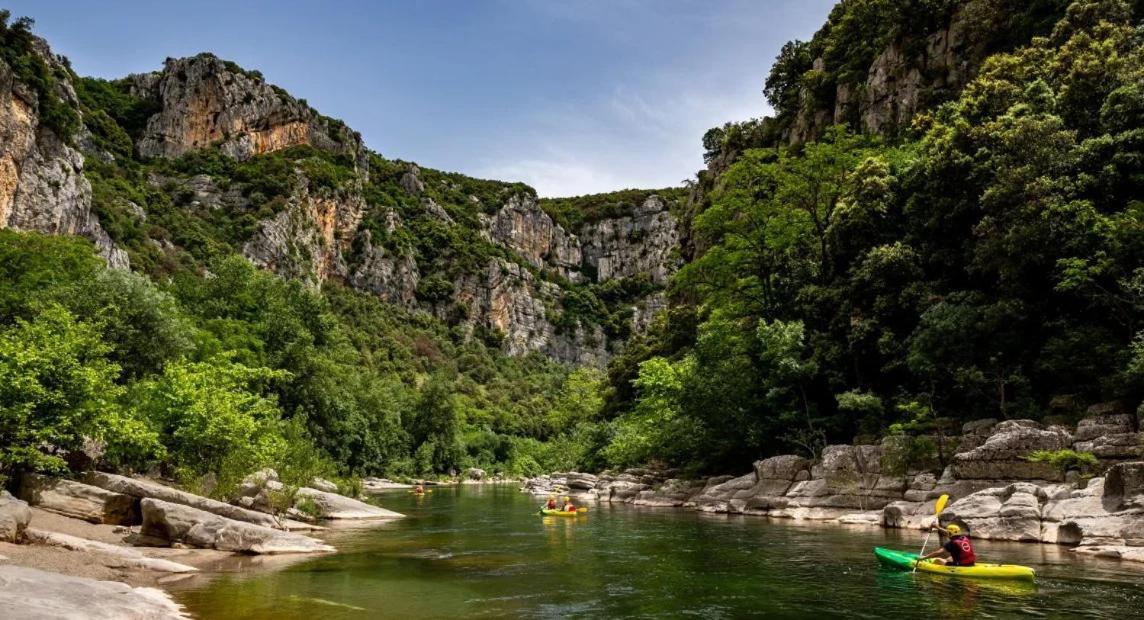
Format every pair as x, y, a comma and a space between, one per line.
214, 417
1065, 460
57, 388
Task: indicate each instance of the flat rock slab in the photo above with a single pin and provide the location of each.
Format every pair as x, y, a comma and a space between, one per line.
334, 506
31, 594
148, 489
77, 500
169, 522
127, 557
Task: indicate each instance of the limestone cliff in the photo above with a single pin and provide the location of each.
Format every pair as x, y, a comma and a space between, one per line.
904, 79
319, 236
205, 101
42, 187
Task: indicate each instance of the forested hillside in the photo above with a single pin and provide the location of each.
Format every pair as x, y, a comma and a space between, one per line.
942, 221
981, 259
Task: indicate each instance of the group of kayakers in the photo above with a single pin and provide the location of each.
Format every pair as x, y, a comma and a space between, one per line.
552, 505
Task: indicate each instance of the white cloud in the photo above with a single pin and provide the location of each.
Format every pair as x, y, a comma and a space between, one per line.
646, 132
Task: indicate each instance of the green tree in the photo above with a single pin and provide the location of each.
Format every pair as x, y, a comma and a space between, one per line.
58, 391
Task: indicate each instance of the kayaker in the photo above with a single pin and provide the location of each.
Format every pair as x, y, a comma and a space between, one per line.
551, 505
957, 551
418, 490
568, 505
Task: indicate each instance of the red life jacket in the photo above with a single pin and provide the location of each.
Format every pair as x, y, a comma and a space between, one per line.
964, 556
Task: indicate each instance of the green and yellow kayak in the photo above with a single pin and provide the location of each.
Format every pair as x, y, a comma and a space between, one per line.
905, 560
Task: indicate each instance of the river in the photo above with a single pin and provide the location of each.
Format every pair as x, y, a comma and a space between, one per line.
481, 551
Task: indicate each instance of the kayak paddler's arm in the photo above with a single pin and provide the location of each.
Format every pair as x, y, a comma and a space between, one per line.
940, 552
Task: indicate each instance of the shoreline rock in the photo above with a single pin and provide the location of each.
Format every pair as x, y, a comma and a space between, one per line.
166, 522
32, 593
996, 491
146, 489
77, 500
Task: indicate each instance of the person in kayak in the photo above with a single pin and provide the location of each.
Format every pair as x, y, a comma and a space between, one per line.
551, 505
957, 551
568, 505
419, 490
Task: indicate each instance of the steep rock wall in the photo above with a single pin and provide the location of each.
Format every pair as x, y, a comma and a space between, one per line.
906, 77
42, 187
205, 101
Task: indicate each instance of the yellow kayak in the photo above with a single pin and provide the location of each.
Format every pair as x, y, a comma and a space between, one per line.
560, 513
906, 561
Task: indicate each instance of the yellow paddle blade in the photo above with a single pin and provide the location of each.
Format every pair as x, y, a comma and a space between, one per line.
940, 505
584, 509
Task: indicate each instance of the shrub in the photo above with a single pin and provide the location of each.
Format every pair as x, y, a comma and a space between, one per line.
57, 388
1065, 460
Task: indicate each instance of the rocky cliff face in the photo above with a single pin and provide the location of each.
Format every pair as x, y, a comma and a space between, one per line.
205, 101
42, 187
319, 237
905, 78
645, 242
523, 227
317, 233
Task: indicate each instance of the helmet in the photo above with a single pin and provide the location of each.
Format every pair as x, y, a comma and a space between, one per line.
566, 498
953, 529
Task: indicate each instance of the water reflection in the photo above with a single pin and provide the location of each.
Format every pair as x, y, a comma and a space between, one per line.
484, 551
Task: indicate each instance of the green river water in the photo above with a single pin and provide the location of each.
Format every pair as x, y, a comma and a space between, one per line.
481, 551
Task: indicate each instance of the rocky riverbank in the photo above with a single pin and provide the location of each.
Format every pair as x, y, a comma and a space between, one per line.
105, 546
996, 491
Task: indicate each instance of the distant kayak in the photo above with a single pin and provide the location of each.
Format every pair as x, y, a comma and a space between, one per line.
561, 513
905, 560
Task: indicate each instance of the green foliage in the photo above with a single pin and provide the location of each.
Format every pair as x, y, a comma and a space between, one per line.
577, 211
215, 417
18, 51
977, 271
1065, 460
57, 389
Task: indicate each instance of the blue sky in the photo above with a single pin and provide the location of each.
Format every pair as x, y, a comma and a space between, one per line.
569, 96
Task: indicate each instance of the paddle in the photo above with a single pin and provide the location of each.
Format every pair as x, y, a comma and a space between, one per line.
937, 508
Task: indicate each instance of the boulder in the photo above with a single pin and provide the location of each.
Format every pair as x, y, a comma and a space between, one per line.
673, 492
313, 503
624, 490
334, 506
31, 593
143, 489
1118, 552
1002, 456
1012, 512
322, 484
974, 433
476, 474
1114, 423
168, 522
1113, 447
577, 480
254, 483
14, 517
782, 467
1124, 486
78, 500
